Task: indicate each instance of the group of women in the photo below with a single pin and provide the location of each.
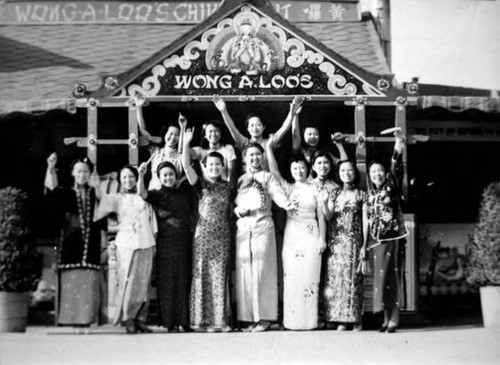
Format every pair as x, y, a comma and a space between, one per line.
197, 225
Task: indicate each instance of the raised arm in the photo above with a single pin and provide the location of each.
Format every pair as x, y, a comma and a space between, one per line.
337, 139
182, 129
271, 160
397, 167
188, 169
220, 104
296, 139
295, 108
51, 181
139, 102
141, 188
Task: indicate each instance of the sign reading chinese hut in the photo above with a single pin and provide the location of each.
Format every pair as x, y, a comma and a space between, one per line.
249, 54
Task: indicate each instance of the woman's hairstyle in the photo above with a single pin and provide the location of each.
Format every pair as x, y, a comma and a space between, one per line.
250, 145
357, 175
377, 162
299, 157
84, 160
165, 129
213, 122
213, 154
309, 125
250, 116
132, 169
318, 154
166, 164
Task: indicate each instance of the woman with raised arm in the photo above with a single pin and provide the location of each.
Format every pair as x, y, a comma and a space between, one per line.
310, 143
322, 166
387, 232
173, 245
303, 244
132, 250
212, 133
163, 149
256, 279
210, 307
256, 127
79, 251
346, 211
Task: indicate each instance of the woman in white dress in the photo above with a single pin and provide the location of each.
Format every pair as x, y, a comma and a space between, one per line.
133, 251
303, 244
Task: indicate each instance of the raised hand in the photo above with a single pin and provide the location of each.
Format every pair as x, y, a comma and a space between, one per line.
182, 121
143, 168
52, 160
138, 99
296, 104
188, 135
219, 103
337, 137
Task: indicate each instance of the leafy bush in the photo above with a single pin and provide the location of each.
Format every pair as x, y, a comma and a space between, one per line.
20, 264
483, 266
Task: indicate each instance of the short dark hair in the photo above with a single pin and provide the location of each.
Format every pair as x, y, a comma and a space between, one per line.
213, 154
357, 175
299, 157
252, 144
84, 160
166, 164
249, 116
132, 169
322, 153
214, 122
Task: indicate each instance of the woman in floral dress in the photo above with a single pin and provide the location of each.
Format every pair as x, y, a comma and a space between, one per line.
303, 244
346, 211
173, 245
387, 232
256, 277
132, 251
210, 308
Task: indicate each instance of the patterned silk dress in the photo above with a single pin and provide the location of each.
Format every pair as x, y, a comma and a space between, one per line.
210, 299
343, 285
173, 254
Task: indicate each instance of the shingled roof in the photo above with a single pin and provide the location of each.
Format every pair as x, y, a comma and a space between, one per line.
40, 64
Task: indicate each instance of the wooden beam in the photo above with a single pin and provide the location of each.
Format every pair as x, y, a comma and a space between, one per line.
133, 141
360, 133
400, 121
92, 134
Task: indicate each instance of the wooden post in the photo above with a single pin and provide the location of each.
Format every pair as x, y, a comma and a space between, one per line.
400, 121
360, 136
133, 136
92, 134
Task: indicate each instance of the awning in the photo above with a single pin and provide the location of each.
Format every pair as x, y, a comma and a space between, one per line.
460, 103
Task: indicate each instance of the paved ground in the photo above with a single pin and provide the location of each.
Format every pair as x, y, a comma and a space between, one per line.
469, 344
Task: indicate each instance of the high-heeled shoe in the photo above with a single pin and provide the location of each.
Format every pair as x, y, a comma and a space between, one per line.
383, 328
141, 327
392, 329
130, 326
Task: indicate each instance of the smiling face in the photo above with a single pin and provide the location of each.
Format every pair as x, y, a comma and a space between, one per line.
213, 167
81, 173
322, 166
167, 176
212, 134
172, 137
255, 127
347, 173
299, 171
311, 136
253, 158
127, 179
377, 174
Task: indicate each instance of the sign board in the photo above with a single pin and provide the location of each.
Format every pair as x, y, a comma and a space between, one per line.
157, 12
248, 54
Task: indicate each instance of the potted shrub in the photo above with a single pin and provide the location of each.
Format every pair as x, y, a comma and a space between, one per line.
483, 267
20, 264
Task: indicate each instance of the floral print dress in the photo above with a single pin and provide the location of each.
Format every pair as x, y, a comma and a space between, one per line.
343, 285
301, 259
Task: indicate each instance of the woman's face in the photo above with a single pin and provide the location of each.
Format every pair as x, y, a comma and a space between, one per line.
127, 179
81, 173
299, 171
347, 173
167, 177
212, 134
377, 174
255, 127
311, 136
322, 166
172, 136
213, 167
253, 158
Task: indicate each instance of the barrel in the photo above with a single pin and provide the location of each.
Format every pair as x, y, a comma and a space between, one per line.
13, 311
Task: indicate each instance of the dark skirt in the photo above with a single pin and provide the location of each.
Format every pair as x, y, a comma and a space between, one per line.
388, 264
